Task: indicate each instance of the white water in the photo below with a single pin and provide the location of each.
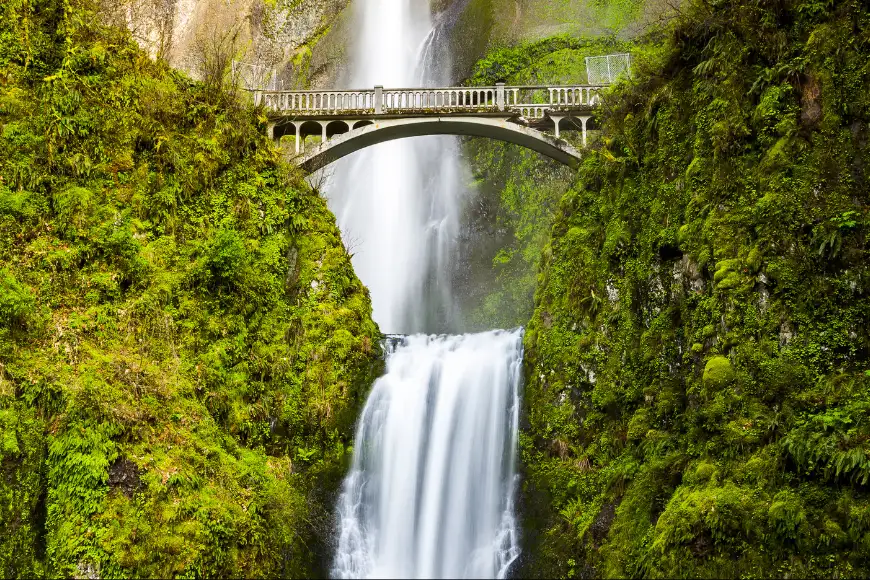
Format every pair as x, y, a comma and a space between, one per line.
397, 202
430, 492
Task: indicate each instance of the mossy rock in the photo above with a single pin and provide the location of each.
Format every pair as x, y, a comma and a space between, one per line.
718, 372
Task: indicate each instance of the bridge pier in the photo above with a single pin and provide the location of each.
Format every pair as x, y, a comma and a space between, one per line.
299, 143
583, 121
556, 120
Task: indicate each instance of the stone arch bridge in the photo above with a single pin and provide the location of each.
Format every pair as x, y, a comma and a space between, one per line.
347, 121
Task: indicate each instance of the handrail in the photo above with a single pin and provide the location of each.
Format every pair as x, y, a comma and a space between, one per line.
435, 99
470, 87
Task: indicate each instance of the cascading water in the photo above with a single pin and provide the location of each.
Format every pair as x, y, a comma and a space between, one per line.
396, 202
430, 493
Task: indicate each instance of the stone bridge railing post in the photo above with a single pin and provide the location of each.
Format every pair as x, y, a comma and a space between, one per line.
379, 99
499, 96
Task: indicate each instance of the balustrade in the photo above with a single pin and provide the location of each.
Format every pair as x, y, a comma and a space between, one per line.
528, 101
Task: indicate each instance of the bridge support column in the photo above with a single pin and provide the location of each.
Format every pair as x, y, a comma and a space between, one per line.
270, 131
583, 121
298, 126
556, 119
323, 125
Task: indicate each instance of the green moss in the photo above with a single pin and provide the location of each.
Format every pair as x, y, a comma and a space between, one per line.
726, 422
517, 190
183, 343
718, 372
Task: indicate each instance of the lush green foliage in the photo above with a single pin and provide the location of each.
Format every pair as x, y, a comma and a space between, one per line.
517, 191
183, 342
698, 386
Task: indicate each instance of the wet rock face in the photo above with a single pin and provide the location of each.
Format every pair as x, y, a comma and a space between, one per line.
270, 35
124, 475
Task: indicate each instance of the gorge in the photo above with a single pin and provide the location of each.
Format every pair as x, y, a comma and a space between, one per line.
214, 364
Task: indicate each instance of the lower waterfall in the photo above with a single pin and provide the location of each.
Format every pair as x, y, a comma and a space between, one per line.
430, 492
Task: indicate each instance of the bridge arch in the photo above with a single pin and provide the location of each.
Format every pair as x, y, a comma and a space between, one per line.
334, 128
384, 130
283, 129
310, 128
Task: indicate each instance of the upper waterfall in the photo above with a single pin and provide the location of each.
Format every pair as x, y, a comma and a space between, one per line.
397, 202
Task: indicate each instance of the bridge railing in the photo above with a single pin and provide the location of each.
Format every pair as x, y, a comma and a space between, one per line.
529, 101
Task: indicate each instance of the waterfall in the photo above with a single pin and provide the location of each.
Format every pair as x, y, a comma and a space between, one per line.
430, 491
397, 202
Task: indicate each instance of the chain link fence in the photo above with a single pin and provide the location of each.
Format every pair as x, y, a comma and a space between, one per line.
603, 70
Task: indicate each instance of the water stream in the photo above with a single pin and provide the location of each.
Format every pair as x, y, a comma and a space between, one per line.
430, 492
397, 202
